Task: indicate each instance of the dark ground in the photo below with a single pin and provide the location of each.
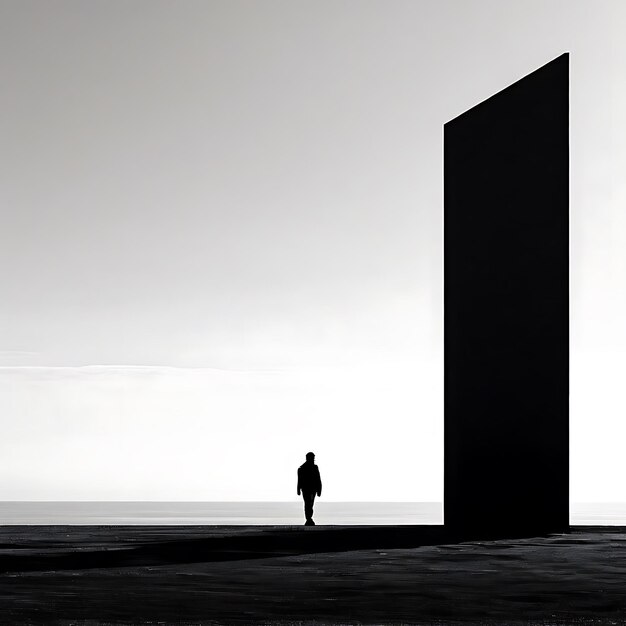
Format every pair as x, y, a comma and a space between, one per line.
274, 575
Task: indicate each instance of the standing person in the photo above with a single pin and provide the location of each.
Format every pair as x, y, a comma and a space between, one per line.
309, 483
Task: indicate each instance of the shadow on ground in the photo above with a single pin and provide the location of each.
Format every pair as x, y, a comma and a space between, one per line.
281, 575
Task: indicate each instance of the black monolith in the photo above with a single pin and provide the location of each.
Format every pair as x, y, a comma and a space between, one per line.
506, 285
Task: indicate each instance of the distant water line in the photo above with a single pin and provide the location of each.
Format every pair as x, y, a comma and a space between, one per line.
260, 513
217, 513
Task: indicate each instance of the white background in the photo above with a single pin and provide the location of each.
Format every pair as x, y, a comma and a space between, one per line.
221, 240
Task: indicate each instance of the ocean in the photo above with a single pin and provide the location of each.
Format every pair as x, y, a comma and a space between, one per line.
261, 513
218, 513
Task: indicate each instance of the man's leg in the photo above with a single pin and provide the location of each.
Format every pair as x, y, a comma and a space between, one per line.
308, 505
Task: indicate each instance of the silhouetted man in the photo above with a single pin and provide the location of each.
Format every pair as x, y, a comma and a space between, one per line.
310, 483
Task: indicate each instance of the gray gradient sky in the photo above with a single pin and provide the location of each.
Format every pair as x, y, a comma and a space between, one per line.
232, 213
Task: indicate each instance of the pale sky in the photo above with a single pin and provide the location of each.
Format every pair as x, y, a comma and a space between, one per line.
221, 240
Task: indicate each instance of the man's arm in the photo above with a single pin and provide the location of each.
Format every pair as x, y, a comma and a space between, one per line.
298, 481
319, 482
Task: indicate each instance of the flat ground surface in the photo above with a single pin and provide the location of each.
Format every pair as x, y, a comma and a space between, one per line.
578, 578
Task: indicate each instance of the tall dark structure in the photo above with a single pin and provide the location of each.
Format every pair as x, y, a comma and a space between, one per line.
506, 285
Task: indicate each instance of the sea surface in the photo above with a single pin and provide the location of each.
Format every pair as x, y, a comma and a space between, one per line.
262, 513
219, 513
598, 514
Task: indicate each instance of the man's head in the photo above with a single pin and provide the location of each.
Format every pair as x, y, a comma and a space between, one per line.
310, 457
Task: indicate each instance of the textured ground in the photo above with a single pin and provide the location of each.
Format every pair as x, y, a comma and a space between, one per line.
578, 578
